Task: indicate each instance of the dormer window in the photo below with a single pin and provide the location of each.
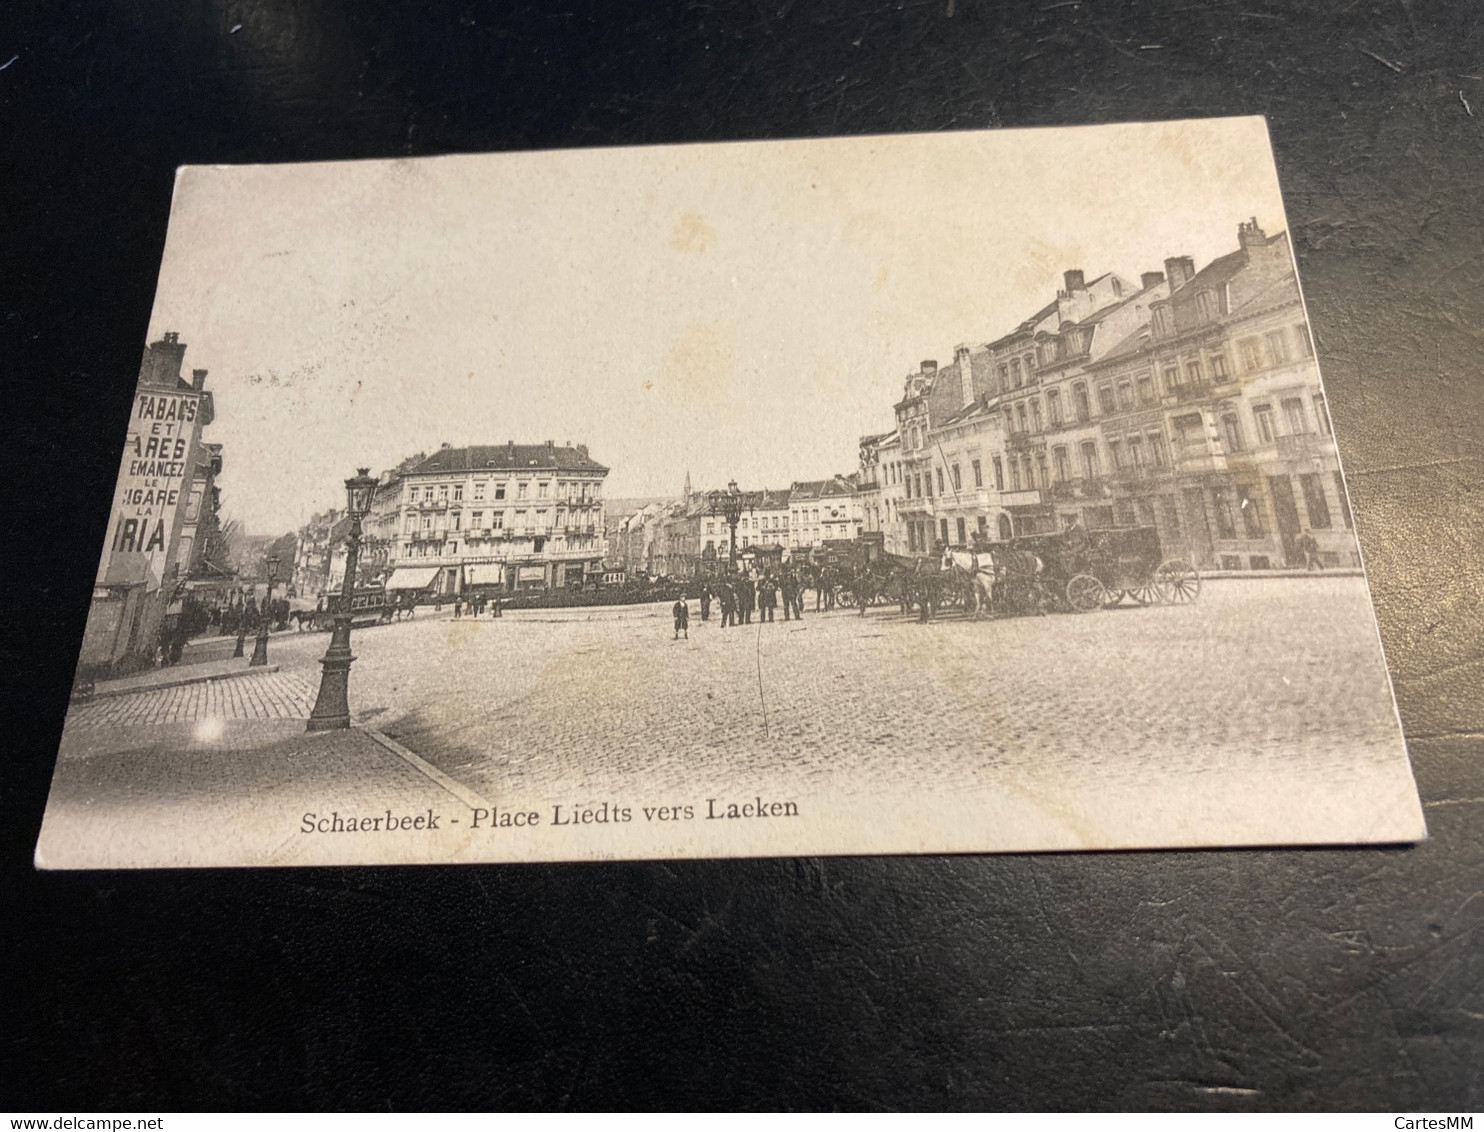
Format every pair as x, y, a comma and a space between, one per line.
1161, 324
1205, 305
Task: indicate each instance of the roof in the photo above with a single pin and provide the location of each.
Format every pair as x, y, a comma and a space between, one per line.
508, 458
1130, 345
1215, 273
822, 489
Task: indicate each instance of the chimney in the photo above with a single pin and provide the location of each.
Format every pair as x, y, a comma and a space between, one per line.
550, 444
1074, 281
1179, 270
965, 374
582, 451
1250, 235
929, 366
161, 365
1151, 279
198, 379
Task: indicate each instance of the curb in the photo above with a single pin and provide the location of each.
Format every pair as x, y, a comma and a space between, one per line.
112, 693
427, 769
1334, 572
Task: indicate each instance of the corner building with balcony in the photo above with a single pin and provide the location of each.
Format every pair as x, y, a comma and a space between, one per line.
499, 517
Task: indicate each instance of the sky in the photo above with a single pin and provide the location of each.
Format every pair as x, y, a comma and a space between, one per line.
743, 310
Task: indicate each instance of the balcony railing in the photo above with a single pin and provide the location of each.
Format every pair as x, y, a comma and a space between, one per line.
1136, 474
1022, 497
1024, 442
1191, 391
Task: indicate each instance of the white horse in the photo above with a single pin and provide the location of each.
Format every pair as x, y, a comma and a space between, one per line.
999, 575
979, 570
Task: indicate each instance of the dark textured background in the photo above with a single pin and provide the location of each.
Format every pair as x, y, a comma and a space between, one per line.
1224, 980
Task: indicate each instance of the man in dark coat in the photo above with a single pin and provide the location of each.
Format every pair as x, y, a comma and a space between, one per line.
728, 605
706, 602
789, 590
767, 598
682, 619
746, 599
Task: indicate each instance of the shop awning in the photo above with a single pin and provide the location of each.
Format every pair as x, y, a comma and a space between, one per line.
484, 574
412, 577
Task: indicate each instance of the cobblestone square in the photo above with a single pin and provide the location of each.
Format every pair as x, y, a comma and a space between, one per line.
1232, 718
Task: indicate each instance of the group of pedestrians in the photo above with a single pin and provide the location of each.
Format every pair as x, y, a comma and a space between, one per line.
741, 598
475, 605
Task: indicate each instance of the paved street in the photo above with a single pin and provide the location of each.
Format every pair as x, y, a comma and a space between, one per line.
1265, 697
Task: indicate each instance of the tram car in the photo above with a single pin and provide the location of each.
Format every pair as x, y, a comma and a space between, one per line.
369, 605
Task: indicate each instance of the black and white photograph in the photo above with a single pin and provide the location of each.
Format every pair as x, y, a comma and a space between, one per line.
966, 492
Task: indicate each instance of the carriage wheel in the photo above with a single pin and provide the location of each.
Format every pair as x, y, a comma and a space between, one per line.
1146, 592
1085, 593
1177, 581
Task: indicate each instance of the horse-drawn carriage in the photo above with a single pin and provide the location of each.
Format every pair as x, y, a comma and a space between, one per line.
1086, 570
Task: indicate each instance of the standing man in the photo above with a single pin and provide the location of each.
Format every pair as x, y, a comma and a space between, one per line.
728, 605
1309, 546
790, 593
767, 595
746, 599
705, 601
682, 618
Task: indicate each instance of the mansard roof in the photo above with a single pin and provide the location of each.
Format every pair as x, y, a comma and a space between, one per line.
508, 458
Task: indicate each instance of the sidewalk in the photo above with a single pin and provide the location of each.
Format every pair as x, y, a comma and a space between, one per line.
179, 795
1288, 572
173, 677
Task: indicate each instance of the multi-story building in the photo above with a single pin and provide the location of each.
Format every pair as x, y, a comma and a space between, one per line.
1211, 420
1190, 402
314, 551
201, 551
141, 574
823, 509
880, 489
513, 516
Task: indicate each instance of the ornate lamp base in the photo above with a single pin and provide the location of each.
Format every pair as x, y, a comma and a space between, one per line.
332, 705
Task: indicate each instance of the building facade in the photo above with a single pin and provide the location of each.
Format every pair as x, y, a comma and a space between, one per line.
511, 516
1189, 402
145, 560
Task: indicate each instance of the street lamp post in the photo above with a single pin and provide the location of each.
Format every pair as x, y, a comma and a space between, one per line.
332, 705
241, 623
730, 504
260, 647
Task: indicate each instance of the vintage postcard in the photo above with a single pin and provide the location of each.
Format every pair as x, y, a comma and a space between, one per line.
970, 492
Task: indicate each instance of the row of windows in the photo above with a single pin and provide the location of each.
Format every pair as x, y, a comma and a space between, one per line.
575, 491
415, 523
1222, 512
770, 522
440, 549
1017, 371
1193, 374
1132, 451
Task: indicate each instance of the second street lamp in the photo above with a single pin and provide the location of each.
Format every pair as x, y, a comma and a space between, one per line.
730, 504
260, 647
332, 705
